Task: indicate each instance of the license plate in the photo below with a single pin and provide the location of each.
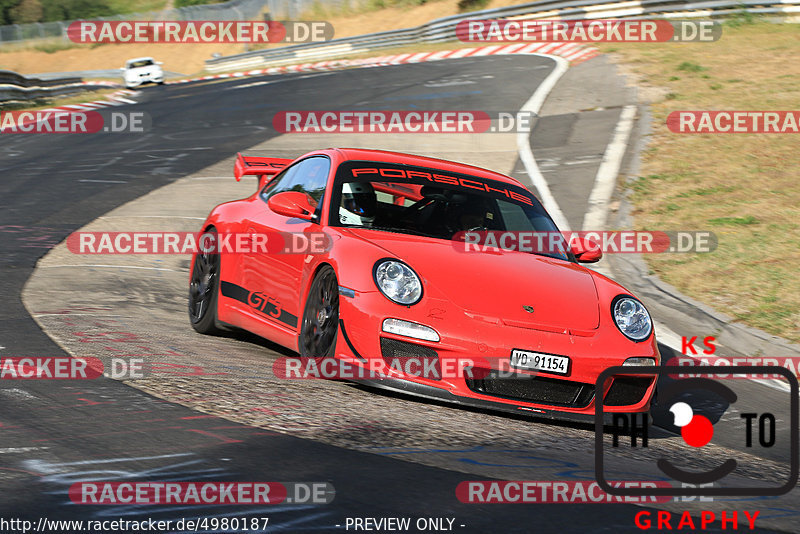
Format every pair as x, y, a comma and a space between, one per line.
536, 361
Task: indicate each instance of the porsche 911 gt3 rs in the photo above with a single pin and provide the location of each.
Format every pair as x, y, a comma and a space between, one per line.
526, 331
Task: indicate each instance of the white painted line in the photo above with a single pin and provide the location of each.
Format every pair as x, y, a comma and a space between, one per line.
606, 179
667, 337
246, 85
534, 104
16, 393
45, 467
104, 181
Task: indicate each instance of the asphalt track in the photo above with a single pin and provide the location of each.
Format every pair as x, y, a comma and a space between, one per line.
406, 462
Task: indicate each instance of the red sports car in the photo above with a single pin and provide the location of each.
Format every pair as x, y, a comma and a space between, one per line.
416, 287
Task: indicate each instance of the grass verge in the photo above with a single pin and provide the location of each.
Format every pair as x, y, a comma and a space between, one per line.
743, 187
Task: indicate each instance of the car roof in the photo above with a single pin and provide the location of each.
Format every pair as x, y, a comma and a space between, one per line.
423, 161
138, 59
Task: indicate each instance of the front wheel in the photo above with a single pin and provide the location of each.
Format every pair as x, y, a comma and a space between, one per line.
320, 324
203, 291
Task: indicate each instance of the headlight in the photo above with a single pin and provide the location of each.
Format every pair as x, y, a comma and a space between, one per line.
397, 281
632, 318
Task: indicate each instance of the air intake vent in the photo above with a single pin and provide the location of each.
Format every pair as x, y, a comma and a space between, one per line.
530, 388
417, 359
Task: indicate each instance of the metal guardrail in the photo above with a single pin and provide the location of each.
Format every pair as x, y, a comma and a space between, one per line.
444, 29
8, 77
15, 87
101, 73
232, 10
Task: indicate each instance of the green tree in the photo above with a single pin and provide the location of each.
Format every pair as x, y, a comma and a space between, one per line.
75, 9
26, 11
5, 7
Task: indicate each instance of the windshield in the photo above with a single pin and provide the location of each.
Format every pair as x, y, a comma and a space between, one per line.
140, 63
442, 205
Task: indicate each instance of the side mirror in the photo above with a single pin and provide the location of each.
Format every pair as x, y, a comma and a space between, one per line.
586, 250
293, 204
159, 62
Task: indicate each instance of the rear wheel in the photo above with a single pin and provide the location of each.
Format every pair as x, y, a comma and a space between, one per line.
320, 324
203, 290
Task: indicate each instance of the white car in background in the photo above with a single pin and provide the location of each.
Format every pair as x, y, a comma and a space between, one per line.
142, 70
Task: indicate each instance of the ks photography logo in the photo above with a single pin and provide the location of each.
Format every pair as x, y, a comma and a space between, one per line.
700, 408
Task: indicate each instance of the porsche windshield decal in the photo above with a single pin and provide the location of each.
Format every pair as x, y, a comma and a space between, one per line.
421, 176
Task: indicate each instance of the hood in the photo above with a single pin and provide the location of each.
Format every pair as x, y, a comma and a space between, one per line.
499, 287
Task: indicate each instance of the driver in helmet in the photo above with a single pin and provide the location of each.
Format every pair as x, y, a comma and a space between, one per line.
359, 204
469, 214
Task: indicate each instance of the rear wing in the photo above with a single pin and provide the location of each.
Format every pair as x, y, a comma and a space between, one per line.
258, 166
400, 192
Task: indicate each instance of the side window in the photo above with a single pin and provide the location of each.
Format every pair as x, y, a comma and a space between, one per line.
282, 177
308, 176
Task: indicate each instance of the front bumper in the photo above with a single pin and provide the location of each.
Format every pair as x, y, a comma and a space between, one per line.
133, 81
479, 352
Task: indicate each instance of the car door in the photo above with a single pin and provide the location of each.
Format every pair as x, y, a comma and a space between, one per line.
277, 278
